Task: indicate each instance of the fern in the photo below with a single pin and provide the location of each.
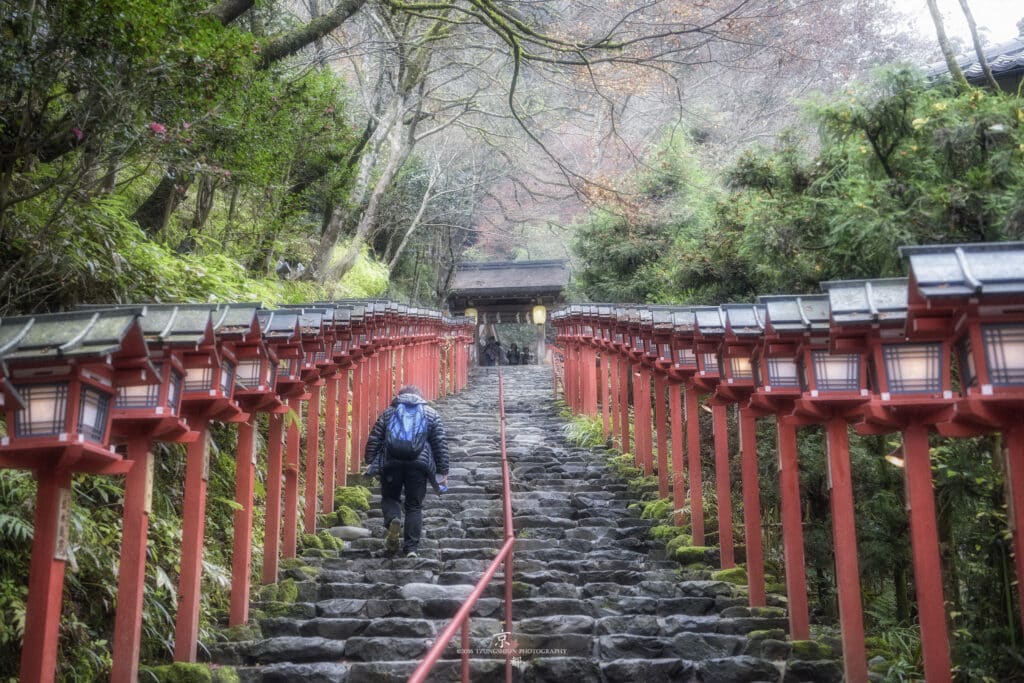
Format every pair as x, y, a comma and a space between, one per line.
14, 529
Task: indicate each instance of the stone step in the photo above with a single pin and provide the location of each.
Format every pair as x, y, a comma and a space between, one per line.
591, 589
446, 670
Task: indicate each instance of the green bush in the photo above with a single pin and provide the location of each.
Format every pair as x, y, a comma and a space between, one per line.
329, 542
178, 672
657, 509
355, 497
810, 650
677, 542
312, 541
664, 532
736, 575
346, 516
691, 554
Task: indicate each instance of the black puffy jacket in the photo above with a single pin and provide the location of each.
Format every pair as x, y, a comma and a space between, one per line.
434, 457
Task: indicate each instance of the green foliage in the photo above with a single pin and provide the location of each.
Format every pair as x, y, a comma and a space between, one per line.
181, 672
354, 497
664, 532
346, 516
585, 432
688, 555
366, 279
329, 542
622, 246
677, 542
736, 575
660, 509
810, 650
312, 541
767, 634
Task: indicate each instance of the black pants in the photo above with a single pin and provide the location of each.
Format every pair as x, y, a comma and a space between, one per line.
414, 481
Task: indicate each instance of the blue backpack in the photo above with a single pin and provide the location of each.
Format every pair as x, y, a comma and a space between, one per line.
407, 432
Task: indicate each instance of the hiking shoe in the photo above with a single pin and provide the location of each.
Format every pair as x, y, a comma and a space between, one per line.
411, 553
391, 540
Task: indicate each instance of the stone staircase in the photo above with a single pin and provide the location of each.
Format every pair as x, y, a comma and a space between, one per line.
594, 598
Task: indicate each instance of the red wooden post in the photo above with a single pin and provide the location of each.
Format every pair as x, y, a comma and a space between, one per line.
330, 443
186, 631
792, 531
568, 377
574, 365
625, 380
643, 419
241, 553
585, 377
638, 432
272, 532
675, 402
399, 369
696, 476
591, 369
344, 449
752, 508
312, 456
605, 377
924, 541
45, 578
722, 485
661, 424
355, 455
291, 478
844, 534
131, 574
366, 390
613, 399
1015, 484
383, 380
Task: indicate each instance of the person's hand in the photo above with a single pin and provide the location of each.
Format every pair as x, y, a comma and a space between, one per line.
444, 480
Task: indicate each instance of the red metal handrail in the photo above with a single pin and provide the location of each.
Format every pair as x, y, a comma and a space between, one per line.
461, 618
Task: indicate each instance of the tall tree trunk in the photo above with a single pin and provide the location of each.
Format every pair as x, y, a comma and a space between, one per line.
205, 194
289, 43
978, 50
400, 149
947, 49
340, 218
413, 224
232, 206
155, 211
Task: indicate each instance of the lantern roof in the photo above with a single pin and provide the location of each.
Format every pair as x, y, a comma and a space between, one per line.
311, 321
75, 334
962, 270
797, 313
235, 321
710, 320
327, 310
684, 320
745, 320
278, 326
170, 324
858, 302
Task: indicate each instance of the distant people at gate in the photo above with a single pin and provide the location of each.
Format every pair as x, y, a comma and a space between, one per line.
524, 356
513, 354
493, 353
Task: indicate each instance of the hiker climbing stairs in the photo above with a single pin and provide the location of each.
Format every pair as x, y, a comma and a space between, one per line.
595, 598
